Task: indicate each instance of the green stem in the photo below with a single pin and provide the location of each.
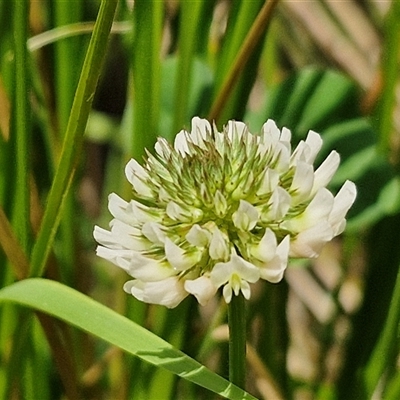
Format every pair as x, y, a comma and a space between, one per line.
237, 340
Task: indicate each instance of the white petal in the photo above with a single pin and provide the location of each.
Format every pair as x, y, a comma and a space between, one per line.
317, 211
200, 128
134, 169
278, 205
281, 157
198, 236
222, 271
120, 257
269, 182
246, 216
270, 132
176, 212
122, 236
245, 289
325, 171
235, 283
181, 143
302, 183
218, 249
285, 136
220, 142
265, 250
119, 227
162, 148
235, 130
299, 153
137, 176
132, 213
119, 209
202, 288
309, 243
343, 201
168, 292
321, 205
227, 293
179, 258
106, 238
149, 269
274, 269
154, 232
314, 141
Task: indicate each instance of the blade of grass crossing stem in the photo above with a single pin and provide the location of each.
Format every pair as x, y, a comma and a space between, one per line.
74, 307
390, 59
66, 77
148, 20
74, 135
21, 122
188, 32
387, 344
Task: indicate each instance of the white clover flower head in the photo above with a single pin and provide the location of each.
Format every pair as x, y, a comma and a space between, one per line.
222, 209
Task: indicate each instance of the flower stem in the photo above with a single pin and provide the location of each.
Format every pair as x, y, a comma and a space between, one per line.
237, 340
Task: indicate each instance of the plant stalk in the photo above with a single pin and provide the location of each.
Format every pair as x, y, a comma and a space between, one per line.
237, 340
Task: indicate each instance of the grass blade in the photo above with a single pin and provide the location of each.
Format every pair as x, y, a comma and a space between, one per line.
74, 135
83, 312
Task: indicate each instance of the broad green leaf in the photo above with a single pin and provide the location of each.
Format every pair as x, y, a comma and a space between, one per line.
83, 312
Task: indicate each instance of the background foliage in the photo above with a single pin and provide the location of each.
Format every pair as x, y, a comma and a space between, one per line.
330, 330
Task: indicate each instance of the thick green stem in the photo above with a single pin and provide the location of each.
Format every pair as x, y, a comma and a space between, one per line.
237, 340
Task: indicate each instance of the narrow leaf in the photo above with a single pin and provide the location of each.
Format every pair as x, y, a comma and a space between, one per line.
73, 136
83, 312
